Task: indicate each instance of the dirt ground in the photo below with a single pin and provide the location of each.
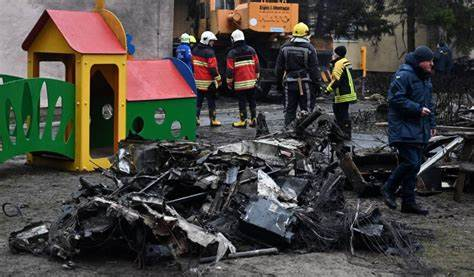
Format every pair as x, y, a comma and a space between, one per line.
446, 234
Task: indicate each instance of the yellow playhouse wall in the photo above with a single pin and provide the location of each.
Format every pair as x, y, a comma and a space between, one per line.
50, 40
83, 72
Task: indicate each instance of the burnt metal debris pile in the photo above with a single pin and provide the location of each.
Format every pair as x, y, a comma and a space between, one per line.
279, 192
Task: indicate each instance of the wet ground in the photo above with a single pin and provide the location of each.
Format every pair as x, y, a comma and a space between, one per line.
446, 233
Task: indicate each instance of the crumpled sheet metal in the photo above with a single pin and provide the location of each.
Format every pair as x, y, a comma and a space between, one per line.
208, 181
123, 164
114, 208
194, 233
156, 221
32, 238
276, 152
200, 236
145, 199
267, 188
267, 218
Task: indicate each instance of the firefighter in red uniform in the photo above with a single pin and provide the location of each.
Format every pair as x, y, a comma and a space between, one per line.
243, 70
206, 75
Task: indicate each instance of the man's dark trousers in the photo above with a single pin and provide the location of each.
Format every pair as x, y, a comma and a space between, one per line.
211, 101
410, 157
341, 112
294, 98
247, 96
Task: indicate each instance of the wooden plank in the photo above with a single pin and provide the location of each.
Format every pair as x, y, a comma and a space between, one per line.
353, 174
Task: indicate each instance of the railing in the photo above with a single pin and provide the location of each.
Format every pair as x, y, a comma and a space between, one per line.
25, 127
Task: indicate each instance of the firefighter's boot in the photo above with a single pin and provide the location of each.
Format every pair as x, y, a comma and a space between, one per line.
252, 122
242, 123
212, 118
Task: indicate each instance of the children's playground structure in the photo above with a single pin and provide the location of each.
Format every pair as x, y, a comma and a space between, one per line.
106, 96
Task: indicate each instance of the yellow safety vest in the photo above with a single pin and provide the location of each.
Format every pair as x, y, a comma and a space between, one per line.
342, 78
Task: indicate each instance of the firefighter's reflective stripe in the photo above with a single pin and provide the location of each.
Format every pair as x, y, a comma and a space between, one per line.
199, 63
218, 80
345, 98
244, 63
203, 85
203, 82
245, 84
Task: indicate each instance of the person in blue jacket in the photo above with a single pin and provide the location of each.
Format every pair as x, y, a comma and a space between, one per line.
411, 123
443, 59
183, 52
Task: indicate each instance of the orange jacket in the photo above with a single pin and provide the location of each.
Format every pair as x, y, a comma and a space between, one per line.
205, 68
243, 68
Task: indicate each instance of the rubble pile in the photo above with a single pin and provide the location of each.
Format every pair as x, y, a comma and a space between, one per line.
279, 192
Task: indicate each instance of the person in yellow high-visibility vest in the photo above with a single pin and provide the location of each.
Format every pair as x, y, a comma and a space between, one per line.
342, 85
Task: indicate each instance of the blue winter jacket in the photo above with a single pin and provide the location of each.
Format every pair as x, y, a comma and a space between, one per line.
183, 53
443, 60
410, 91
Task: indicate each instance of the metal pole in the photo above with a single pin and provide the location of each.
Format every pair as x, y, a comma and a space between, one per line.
186, 198
245, 254
363, 66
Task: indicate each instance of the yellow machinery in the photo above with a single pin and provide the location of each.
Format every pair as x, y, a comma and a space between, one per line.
223, 17
266, 25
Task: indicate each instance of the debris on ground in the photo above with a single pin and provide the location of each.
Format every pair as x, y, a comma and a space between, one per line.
376, 97
186, 200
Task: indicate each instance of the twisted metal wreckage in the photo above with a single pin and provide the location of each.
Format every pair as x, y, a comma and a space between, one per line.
281, 191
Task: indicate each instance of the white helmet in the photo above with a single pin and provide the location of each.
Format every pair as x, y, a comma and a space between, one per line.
237, 35
207, 36
185, 38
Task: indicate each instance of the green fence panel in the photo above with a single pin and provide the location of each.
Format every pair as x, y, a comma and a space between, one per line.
173, 119
8, 78
24, 130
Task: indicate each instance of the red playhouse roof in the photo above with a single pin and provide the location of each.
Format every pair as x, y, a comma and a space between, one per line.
85, 32
155, 80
